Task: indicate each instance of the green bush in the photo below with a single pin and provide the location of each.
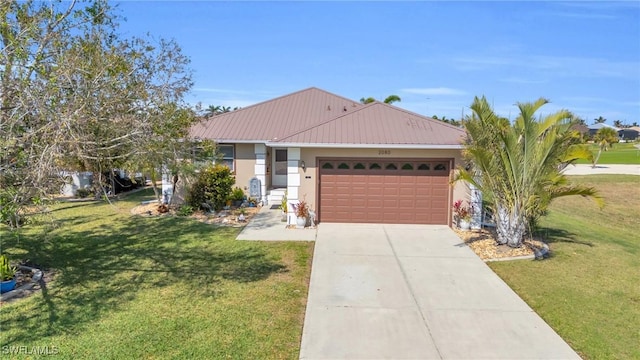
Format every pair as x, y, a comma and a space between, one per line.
237, 194
212, 185
83, 193
185, 210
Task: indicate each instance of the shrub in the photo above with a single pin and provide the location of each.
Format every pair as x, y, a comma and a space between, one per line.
237, 194
185, 210
83, 193
213, 185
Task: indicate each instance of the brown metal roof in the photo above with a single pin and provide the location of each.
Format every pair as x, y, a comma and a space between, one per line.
379, 124
276, 118
316, 117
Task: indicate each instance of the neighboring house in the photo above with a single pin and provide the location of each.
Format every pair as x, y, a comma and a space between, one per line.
352, 162
593, 129
628, 134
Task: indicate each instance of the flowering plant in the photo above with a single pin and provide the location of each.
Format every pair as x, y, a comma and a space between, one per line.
462, 211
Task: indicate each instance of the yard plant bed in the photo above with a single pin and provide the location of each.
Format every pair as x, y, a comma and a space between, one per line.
483, 243
132, 287
224, 218
588, 290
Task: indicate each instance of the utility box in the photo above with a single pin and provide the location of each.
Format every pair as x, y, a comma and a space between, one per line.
255, 188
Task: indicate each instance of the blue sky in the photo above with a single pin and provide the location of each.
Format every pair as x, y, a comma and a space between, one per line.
582, 56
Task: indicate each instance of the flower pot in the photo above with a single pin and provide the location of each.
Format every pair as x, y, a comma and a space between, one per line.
301, 222
464, 224
8, 285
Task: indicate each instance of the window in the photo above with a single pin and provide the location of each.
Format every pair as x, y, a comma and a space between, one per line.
375, 166
424, 167
327, 166
391, 167
343, 166
440, 167
227, 154
407, 166
359, 166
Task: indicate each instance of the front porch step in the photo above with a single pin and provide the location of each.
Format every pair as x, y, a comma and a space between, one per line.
275, 196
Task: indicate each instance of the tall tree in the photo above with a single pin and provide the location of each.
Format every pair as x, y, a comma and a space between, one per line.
517, 166
617, 123
599, 120
76, 96
605, 138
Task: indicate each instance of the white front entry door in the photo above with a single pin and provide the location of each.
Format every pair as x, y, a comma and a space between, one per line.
279, 166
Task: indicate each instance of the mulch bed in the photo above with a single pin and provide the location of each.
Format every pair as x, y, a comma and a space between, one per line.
483, 243
223, 218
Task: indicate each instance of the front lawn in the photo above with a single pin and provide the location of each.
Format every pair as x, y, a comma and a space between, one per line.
621, 153
589, 291
151, 288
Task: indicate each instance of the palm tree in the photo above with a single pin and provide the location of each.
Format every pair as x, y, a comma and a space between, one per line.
605, 138
518, 166
599, 120
389, 100
617, 123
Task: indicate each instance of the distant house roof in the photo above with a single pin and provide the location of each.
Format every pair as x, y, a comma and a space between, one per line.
581, 128
317, 118
599, 126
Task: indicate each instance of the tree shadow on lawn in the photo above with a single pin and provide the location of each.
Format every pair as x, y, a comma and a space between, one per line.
552, 235
103, 268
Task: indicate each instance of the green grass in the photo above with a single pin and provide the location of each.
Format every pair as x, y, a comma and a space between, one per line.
150, 288
589, 291
622, 153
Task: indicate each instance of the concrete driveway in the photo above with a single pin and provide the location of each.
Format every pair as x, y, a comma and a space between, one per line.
414, 292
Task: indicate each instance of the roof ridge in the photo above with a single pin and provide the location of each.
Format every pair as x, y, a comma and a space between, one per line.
366, 106
281, 97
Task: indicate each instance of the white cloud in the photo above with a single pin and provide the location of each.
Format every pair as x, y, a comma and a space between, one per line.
433, 91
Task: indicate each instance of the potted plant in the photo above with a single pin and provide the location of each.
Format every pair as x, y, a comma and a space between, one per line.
301, 210
237, 196
462, 215
7, 275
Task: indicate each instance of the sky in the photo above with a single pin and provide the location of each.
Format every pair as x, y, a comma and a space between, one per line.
437, 56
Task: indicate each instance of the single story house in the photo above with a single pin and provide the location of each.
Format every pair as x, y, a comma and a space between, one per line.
593, 129
351, 162
628, 134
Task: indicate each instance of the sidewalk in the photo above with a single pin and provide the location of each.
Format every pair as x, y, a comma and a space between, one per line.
267, 225
611, 169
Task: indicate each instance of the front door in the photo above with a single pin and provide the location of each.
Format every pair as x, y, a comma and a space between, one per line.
279, 177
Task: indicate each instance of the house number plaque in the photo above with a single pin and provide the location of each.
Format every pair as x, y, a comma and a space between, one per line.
384, 152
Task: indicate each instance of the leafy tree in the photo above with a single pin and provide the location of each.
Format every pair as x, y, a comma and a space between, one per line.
388, 100
76, 96
518, 166
605, 138
617, 123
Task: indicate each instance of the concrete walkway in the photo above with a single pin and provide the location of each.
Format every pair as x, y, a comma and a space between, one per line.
267, 225
414, 292
611, 169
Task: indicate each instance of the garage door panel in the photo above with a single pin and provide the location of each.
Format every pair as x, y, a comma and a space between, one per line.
385, 196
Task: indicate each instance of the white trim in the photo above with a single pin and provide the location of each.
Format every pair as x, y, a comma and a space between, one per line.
369, 146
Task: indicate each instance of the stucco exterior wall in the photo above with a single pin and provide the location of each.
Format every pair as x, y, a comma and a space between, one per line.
309, 177
244, 165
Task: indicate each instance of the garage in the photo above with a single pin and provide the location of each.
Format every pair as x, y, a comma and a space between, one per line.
386, 191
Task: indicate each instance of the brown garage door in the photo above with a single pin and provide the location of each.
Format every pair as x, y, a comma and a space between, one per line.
403, 191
